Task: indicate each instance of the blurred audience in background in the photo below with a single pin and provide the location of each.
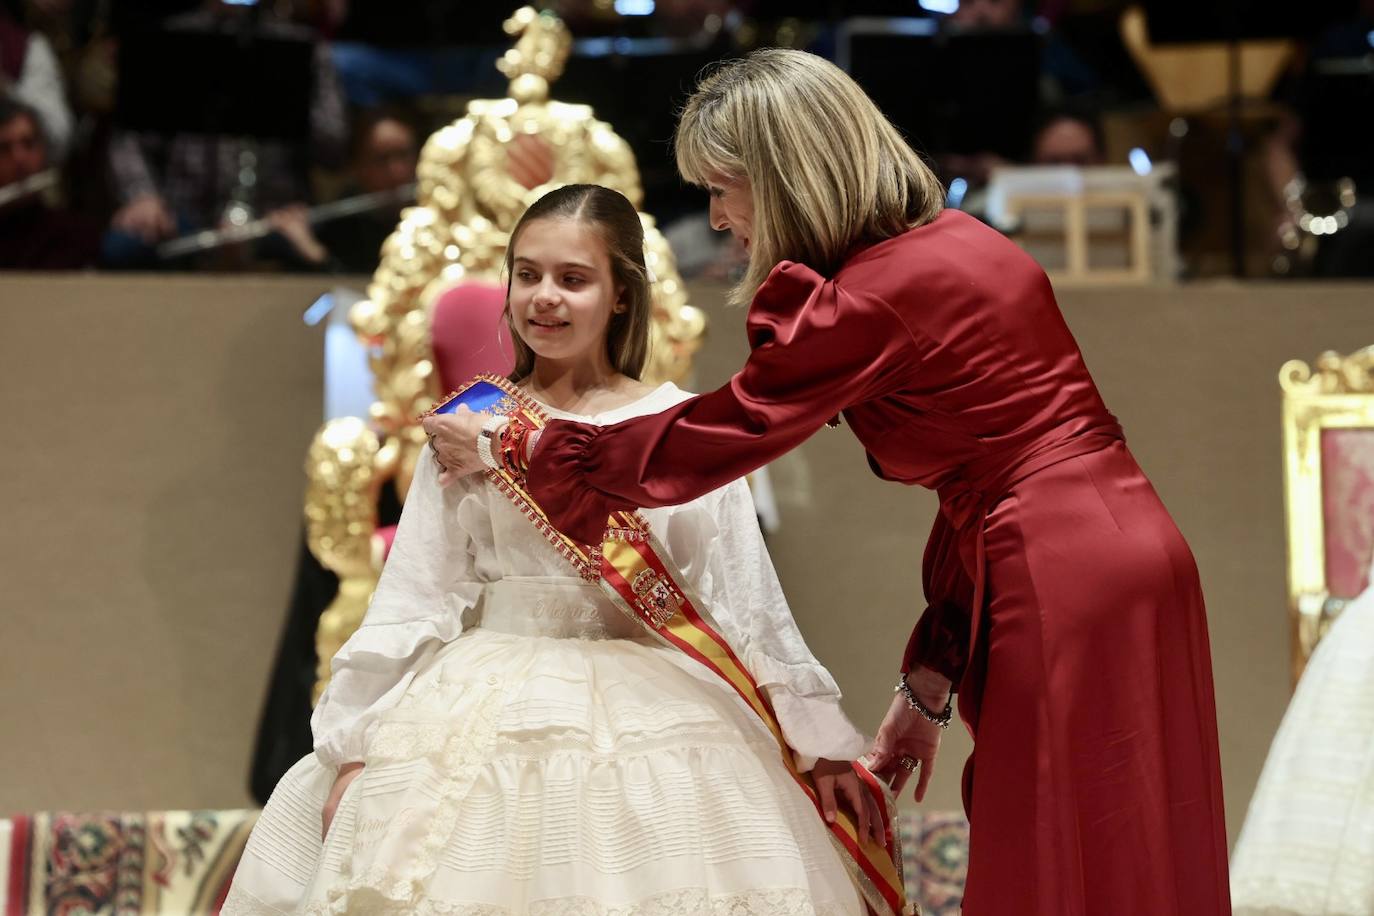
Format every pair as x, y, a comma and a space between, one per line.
975, 84
383, 154
34, 235
170, 183
29, 73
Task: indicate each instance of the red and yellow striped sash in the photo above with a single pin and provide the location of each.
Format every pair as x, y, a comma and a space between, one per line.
635, 571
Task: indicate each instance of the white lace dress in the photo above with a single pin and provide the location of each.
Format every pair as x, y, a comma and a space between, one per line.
529, 750
1307, 847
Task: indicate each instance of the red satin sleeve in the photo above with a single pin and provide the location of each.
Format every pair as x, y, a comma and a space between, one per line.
815, 349
941, 636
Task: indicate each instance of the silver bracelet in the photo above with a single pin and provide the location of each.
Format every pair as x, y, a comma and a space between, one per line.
490, 430
941, 719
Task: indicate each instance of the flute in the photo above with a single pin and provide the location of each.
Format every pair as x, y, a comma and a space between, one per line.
34, 184
206, 239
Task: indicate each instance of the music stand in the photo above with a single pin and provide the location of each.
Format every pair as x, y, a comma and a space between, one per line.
637, 85
1234, 21
192, 76
948, 91
1337, 108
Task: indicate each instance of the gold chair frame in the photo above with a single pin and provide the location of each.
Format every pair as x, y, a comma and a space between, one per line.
1338, 394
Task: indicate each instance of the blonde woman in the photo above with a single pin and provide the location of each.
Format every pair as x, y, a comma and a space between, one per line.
1063, 604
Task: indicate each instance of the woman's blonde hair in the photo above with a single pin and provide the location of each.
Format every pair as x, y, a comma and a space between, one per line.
615, 219
828, 170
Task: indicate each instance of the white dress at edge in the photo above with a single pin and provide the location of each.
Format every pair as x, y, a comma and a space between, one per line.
529, 750
1307, 847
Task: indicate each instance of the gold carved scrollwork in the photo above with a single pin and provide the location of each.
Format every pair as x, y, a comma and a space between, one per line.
1337, 392
677, 330
343, 467
1334, 374
467, 203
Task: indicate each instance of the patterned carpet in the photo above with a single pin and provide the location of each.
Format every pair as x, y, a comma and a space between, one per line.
179, 863
935, 860
173, 863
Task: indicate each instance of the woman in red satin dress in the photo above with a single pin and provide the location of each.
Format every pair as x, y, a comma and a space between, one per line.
1063, 604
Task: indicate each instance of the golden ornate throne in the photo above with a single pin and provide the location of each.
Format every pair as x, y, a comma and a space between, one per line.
1328, 471
445, 257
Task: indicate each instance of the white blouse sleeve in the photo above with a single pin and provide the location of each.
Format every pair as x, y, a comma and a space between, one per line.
737, 582
40, 85
427, 584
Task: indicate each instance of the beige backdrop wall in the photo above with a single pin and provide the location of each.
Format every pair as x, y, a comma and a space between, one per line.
150, 486
151, 483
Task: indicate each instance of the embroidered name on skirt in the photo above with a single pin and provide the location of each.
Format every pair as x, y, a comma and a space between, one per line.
636, 573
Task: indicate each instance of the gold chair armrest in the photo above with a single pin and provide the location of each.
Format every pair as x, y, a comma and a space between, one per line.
344, 468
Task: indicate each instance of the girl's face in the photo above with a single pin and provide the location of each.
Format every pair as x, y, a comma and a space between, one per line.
562, 291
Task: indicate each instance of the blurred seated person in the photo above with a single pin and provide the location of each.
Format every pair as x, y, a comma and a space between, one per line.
30, 73
1064, 136
383, 155
1068, 137
34, 235
988, 14
172, 184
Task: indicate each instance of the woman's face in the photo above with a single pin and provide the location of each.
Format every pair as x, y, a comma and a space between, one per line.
732, 206
562, 291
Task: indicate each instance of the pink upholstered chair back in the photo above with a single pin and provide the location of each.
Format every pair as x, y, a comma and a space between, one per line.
1348, 508
470, 334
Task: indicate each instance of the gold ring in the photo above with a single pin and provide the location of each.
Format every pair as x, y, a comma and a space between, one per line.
909, 763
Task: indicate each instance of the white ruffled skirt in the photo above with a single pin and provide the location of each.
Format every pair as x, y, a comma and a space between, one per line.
549, 762
1307, 845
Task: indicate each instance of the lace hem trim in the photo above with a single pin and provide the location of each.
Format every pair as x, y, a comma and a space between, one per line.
783, 901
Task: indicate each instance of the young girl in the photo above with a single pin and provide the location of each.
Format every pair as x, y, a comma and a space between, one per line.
498, 738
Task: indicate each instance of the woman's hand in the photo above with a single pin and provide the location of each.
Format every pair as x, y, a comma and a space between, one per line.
833, 776
347, 773
453, 437
906, 735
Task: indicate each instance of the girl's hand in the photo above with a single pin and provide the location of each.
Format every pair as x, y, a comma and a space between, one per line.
832, 776
453, 437
347, 773
907, 735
